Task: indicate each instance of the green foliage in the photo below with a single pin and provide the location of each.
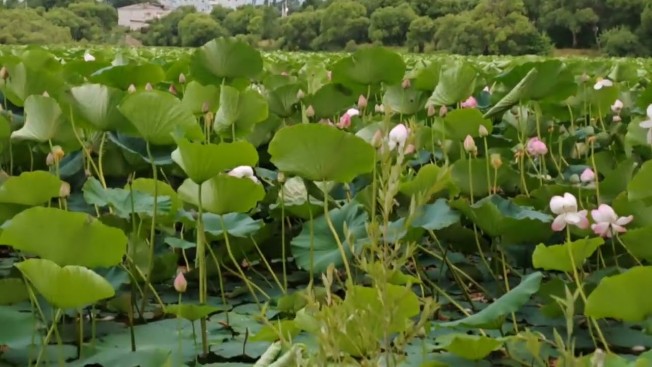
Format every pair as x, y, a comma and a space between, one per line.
195, 29
622, 42
27, 26
341, 22
390, 25
420, 33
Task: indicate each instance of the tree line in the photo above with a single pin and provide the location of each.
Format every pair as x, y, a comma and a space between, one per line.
474, 27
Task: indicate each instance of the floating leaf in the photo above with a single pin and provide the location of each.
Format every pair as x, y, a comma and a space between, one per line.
124, 202
436, 216
318, 152
473, 347
12, 290
70, 286
235, 224
191, 312
66, 238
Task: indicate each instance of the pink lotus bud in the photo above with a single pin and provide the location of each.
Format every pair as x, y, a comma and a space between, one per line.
329, 75
46, 94
148, 87
180, 283
379, 108
345, 121
536, 147
310, 111
131, 89
587, 176
431, 110
482, 130
617, 106
443, 111
496, 161
469, 145
406, 84
300, 94
470, 102
172, 89
64, 190
362, 102
377, 140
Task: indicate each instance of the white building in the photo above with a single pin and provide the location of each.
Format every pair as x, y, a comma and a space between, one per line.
136, 16
207, 5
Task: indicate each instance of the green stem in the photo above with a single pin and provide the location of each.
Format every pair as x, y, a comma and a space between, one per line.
201, 262
57, 315
340, 246
152, 233
235, 263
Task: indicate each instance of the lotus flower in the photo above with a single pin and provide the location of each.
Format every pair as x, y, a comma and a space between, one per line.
397, 137
607, 222
536, 147
587, 176
345, 119
88, 57
362, 102
603, 83
617, 106
470, 102
647, 124
244, 172
469, 145
180, 283
565, 207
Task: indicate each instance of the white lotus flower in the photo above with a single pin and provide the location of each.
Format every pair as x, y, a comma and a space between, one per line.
617, 106
397, 136
566, 209
88, 57
244, 172
647, 124
352, 112
603, 83
607, 221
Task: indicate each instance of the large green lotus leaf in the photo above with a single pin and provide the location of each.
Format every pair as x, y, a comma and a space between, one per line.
472, 347
32, 76
319, 152
157, 115
637, 241
330, 100
462, 122
369, 66
404, 101
202, 162
624, 296
557, 257
639, 186
65, 287
96, 104
436, 216
149, 185
497, 216
143, 357
456, 84
283, 100
196, 97
515, 96
323, 245
12, 290
66, 238
191, 312
430, 180
30, 188
492, 316
44, 121
239, 111
223, 194
235, 224
425, 77
137, 148
122, 76
225, 58
624, 71
124, 202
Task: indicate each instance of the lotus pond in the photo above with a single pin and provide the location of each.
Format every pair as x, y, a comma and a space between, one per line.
220, 207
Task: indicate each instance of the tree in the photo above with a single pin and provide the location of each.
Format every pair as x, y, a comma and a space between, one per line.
195, 29
27, 26
165, 31
341, 22
299, 30
237, 21
79, 27
621, 41
390, 25
570, 15
420, 33
439, 8
219, 13
102, 14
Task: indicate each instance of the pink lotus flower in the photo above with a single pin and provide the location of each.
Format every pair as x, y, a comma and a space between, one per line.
607, 222
406, 84
647, 124
587, 176
470, 102
345, 119
362, 102
536, 147
565, 207
180, 283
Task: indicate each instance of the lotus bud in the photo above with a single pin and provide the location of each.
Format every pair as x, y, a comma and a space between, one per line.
46, 94
362, 102
55, 155
410, 149
584, 78
470, 102
182, 79
496, 161
617, 119
469, 145
406, 84
180, 283
574, 178
329, 75
280, 177
377, 139
443, 111
131, 89
431, 110
482, 130
172, 89
310, 111
598, 358
148, 87
300, 94
284, 73
205, 107
87, 173
64, 190
587, 176
379, 108
4, 74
